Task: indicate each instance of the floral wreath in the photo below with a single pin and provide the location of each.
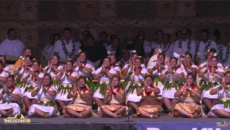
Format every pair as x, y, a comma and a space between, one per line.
221, 54
65, 50
206, 47
188, 44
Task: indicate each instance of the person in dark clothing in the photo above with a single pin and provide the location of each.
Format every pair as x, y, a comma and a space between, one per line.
130, 44
95, 52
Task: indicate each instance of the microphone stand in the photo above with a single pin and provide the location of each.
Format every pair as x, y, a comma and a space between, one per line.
128, 116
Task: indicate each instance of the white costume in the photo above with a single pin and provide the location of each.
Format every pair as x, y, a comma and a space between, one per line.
44, 97
187, 70
138, 79
116, 68
88, 61
47, 52
156, 73
7, 69
206, 93
170, 93
102, 78
3, 74
122, 62
65, 82
22, 71
110, 50
224, 51
31, 82
6, 99
222, 96
168, 50
185, 46
59, 48
83, 72
11, 47
52, 73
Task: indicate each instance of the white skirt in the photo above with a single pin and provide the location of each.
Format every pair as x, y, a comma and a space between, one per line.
206, 94
98, 95
6, 106
161, 90
22, 90
48, 109
28, 94
63, 97
219, 106
133, 97
169, 94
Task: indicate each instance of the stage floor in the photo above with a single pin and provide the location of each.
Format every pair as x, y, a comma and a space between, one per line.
60, 123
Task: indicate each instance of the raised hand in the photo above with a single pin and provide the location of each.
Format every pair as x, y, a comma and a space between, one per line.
21, 64
108, 87
130, 62
223, 83
169, 68
5, 88
75, 88
78, 62
49, 66
103, 68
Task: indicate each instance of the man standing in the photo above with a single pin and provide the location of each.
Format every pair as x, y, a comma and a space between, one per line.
66, 47
185, 44
204, 45
224, 51
130, 44
11, 46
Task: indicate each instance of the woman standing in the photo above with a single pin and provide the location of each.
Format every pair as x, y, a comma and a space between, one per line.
46, 93
189, 99
149, 104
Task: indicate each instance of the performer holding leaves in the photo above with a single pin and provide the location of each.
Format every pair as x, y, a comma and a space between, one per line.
10, 97
24, 68
222, 107
149, 104
82, 101
136, 74
189, 97
173, 75
32, 80
211, 77
114, 99
103, 75
115, 66
66, 78
83, 68
188, 66
46, 93
53, 69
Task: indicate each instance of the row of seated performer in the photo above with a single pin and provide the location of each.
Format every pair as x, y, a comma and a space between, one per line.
30, 90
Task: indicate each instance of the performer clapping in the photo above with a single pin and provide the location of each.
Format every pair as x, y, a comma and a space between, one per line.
188, 66
24, 68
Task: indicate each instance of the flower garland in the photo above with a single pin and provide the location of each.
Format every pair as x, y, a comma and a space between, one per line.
221, 54
188, 44
68, 55
206, 47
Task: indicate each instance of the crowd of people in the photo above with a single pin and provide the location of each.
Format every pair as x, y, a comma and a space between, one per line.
117, 77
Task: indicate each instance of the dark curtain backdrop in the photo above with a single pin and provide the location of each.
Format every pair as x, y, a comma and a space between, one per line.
36, 20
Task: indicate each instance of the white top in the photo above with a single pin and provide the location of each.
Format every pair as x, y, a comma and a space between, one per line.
65, 80
116, 68
6, 97
183, 66
154, 45
59, 48
41, 94
22, 71
224, 52
137, 76
210, 74
147, 47
104, 77
221, 93
109, 50
126, 66
88, 61
53, 74
168, 50
176, 70
3, 74
7, 69
184, 46
48, 51
122, 62
158, 72
83, 71
11, 47
31, 77
218, 64
204, 47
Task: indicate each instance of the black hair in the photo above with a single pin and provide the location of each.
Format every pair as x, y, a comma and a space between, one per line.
191, 74
116, 38
115, 76
177, 33
216, 33
54, 35
3, 56
36, 61
57, 57
189, 31
70, 61
173, 58
112, 55
30, 57
10, 76
111, 37
85, 31
103, 32
137, 58
141, 32
212, 50
84, 53
226, 72
187, 53
205, 31
89, 36
10, 30
82, 77
67, 29
163, 54
141, 36
148, 76
168, 35
26, 48
49, 77
160, 30
214, 57
107, 58
1, 62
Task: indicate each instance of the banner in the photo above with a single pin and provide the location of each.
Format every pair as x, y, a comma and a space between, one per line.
183, 125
